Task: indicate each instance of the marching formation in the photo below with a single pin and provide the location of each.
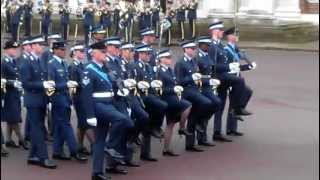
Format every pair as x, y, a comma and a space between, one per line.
118, 18
123, 94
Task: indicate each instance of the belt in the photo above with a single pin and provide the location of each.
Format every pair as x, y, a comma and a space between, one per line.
103, 94
206, 76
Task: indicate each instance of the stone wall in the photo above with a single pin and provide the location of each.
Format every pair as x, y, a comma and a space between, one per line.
309, 7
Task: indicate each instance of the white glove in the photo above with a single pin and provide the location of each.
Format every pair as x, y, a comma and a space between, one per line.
17, 84
3, 81
129, 83
253, 66
234, 65
178, 89
156, 84
92, 121
196, 76
72, 84
123, 93
214, 82
49, 84
143, 85
234, 68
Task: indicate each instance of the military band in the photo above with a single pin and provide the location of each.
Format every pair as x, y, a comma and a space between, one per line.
116, 18
121, 91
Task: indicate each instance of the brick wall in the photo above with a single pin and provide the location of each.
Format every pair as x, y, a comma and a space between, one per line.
309, 8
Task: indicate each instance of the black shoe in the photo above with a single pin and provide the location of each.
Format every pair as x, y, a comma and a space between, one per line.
243, 112
207, 144
220, 138
84, 151
11, 144
79, 157
4, 152
234, 133
169, 153
131, 164
193, 149
184, 132
157, 133
62, 157
239, 118
151, 159
116, 170
100, 177
199, 129
33, 161
48, 164
24, 145
113, 153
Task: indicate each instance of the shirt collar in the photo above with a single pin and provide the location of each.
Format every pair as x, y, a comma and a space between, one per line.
34, 55
187, 57
164, 66
202, 52
97, 63
232, 45
58, 59
113, 58
76, 61
216, 39
8, 57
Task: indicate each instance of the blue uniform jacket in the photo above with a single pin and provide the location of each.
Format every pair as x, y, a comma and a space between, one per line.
184, 70
33, 73
58, 72
75, 74
219, 56
95, 79
234, 56
205, 67
168, 78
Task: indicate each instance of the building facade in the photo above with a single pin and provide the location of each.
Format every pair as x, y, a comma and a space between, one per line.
297, 10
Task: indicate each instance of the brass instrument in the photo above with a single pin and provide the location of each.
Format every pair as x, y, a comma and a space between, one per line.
156, 7
64, 9
192, 5
46, 8
126, 9
182, 5
90, 7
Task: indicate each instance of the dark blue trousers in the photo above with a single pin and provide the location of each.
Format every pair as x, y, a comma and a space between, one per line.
36, 118
107, 115
156, 109
216, 106
62, 130
201, 108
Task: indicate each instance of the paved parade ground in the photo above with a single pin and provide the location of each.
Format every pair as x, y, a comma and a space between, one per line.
281, 139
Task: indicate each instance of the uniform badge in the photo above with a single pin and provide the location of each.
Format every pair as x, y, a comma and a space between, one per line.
163, 69
85, 81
